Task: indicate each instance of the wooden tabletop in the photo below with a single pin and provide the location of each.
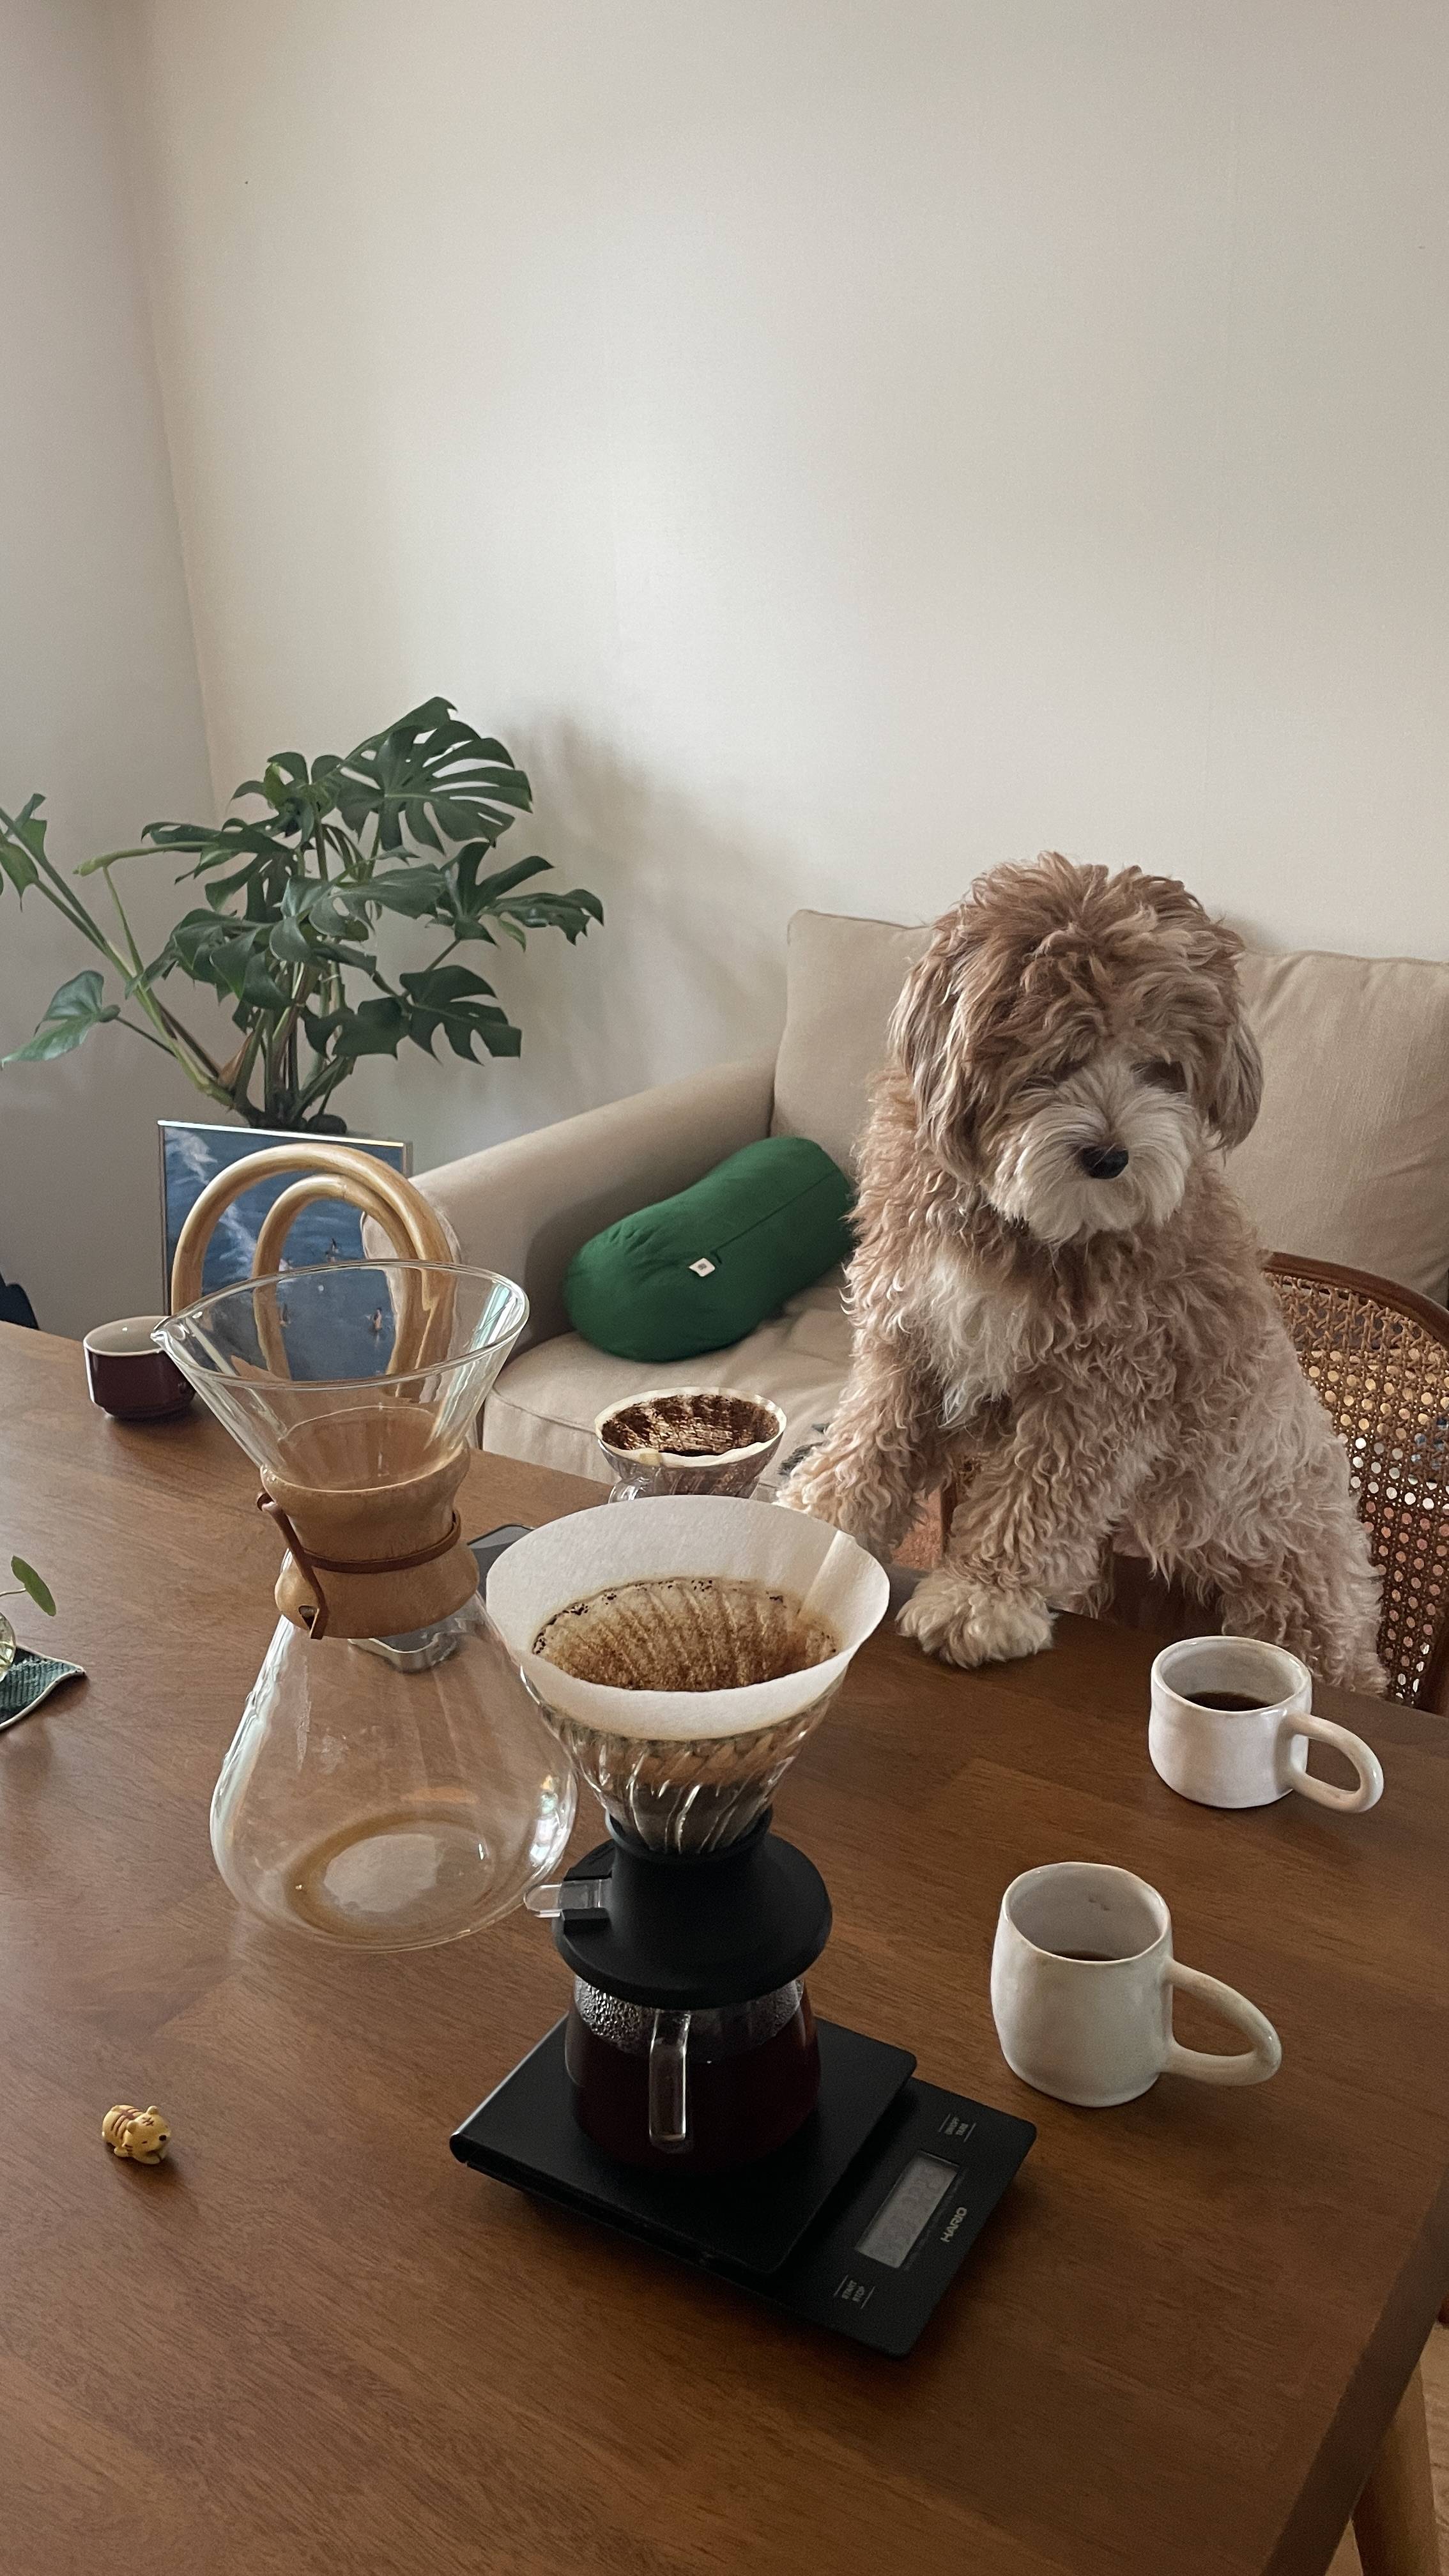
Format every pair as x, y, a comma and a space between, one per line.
313, 2342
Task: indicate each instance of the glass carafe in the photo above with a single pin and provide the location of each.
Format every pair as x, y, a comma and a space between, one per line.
692, 2092
391, 1784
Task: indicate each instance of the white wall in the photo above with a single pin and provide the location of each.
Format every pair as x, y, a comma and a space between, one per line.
839, 443
99, 705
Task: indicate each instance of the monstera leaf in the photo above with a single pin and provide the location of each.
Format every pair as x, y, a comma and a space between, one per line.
71, 1014
22, 848
430, 778
452, 998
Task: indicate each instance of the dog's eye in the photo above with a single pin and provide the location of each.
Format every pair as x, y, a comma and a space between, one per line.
1162, 1071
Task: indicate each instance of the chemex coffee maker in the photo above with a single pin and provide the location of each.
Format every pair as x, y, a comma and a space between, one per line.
683, 1650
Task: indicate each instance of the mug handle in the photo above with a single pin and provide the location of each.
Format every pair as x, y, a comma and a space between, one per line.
1253, 2065
1349, 1802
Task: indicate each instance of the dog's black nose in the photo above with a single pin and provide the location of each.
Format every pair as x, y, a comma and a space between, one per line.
1104, 1162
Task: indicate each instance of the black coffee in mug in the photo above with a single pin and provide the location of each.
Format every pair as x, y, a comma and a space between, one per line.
1233, 1700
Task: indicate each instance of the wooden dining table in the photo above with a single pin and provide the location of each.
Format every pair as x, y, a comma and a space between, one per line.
312, 2341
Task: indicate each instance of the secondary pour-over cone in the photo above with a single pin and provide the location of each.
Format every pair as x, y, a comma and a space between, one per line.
684, 1649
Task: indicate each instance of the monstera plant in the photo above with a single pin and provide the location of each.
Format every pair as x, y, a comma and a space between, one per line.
294, 895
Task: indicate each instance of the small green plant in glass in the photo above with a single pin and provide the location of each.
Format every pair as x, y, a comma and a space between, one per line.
26, 1580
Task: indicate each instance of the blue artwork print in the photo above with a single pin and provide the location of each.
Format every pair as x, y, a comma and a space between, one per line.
347, 1333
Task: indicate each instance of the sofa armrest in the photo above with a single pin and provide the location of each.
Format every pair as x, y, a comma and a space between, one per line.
525, 1206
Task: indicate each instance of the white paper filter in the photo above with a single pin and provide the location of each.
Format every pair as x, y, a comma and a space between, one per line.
570, 1560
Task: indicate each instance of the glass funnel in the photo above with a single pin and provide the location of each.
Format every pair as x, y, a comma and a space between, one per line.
340, 1375
684, 1650
391, 1784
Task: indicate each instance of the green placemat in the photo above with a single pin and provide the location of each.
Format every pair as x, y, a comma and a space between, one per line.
31, 1679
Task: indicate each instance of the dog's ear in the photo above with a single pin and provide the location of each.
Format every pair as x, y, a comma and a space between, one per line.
1210, 950
921, 1032
937, 1028
1238, 1091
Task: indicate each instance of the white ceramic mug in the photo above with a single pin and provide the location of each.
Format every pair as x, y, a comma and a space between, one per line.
1247, 1757
1082, 1976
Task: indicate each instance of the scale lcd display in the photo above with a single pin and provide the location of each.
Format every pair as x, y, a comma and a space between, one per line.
907, 2211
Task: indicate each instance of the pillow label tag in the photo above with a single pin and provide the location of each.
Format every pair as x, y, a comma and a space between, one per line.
703, 1268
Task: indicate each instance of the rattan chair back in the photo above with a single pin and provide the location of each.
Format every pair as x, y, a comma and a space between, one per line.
1378, 1357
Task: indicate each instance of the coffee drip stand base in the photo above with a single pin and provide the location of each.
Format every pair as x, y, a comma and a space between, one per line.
684, 1930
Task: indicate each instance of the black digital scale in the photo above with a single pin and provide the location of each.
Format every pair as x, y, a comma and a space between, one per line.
862, 2220
860, 2223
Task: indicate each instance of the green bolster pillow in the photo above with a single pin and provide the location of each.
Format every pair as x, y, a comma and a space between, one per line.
701, 1270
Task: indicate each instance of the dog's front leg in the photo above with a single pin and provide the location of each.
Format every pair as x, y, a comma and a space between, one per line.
1029, 1531
885, 1449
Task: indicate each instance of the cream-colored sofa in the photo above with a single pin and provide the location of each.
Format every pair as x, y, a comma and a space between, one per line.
1349, 1162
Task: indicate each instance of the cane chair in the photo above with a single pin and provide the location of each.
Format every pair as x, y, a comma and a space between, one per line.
1378, 1358
1377, 1355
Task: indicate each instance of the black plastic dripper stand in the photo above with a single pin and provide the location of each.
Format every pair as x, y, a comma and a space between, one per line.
862, 2218
685, 1931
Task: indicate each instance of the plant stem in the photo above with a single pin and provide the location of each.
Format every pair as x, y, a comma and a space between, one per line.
241, 1077
318, 1091
176, 1030
143, 850
126, 931
149, 1035
150, 1002
58, 893
286, 1037
156, 1010
173, 1039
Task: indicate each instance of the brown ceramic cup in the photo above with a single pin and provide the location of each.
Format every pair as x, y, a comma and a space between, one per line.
128, 1377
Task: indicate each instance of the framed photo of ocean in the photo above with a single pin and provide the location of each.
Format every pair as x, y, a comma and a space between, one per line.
191, 1156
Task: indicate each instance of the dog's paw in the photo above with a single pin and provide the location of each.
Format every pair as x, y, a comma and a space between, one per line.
826, 1493
816, 1496
966, 1624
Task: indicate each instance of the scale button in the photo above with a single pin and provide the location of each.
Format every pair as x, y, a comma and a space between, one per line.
855, 2293
951, 2127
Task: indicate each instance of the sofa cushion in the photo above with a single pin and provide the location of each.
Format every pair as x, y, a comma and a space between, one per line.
842, 979
1349, 1160
697, 1272
544, 1405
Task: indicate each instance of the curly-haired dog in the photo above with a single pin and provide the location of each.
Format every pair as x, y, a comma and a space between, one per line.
1058, 1301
